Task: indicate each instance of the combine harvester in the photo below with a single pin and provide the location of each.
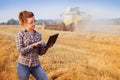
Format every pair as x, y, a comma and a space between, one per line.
72, 19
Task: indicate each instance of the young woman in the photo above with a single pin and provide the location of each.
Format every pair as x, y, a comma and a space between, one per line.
29, 45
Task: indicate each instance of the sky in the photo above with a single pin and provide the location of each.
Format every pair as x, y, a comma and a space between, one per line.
52, 9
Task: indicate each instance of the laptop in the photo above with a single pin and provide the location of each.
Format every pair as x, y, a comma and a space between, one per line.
51, 41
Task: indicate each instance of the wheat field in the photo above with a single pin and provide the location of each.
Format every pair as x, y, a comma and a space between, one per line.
75, 56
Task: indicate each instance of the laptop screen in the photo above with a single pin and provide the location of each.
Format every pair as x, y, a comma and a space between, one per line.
52, 39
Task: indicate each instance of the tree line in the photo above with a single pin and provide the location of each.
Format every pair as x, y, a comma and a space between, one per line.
38, 22
10, 22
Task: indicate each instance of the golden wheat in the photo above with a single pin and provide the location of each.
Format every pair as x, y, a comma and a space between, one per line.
75, 56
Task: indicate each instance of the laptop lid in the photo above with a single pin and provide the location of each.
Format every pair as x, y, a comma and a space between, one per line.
52, 39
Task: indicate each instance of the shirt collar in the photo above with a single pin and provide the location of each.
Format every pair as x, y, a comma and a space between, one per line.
25, 30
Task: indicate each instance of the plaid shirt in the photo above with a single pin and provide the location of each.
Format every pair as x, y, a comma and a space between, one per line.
28, 55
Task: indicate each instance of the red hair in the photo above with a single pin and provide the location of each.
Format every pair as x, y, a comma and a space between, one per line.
23, 15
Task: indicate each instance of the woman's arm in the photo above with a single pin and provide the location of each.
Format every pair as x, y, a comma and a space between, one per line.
20, 45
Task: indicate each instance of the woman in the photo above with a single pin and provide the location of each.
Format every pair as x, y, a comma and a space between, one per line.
29, 45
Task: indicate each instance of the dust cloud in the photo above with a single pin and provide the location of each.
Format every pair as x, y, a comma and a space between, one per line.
97, 26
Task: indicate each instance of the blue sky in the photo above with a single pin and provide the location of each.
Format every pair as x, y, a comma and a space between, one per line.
51, 9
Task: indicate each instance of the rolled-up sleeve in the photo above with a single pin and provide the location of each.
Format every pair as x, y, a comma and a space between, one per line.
20, 45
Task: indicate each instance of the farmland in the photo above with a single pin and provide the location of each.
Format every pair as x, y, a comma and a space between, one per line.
75, 56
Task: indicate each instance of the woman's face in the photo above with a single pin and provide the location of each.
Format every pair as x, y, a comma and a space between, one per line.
30, 24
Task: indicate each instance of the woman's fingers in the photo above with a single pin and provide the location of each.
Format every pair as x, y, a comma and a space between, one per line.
40, 42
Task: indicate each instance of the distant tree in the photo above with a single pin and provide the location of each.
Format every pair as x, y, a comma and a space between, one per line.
12, 22
2, 23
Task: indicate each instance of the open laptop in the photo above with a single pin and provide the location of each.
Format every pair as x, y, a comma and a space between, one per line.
51, 41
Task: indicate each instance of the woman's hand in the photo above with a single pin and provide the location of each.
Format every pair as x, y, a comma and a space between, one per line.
35, 44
